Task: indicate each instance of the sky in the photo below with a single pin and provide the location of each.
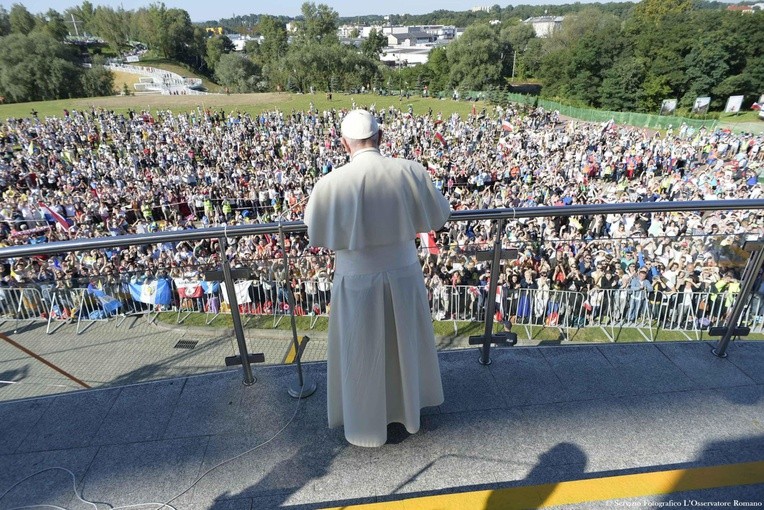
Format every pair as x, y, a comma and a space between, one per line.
203, 10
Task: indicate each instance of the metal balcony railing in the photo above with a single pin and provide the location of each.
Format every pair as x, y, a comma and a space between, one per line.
501, 249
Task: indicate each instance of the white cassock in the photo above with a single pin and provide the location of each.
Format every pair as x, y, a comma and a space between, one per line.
382, 366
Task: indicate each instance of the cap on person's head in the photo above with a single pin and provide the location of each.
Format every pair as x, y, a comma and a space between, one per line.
359, 125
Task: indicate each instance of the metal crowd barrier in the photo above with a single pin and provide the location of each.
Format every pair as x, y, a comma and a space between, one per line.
570, 306
254, 298
687, 313
19, 305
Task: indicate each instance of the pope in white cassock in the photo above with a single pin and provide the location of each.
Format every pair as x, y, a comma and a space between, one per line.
382, 366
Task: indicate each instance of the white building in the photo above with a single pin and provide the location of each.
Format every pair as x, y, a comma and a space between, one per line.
239, 41
410, 38
544, 26
405, 57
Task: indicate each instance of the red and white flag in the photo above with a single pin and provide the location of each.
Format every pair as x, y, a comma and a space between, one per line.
499, 314
506, 125
188, 288
441, 139
427, 241
53, 214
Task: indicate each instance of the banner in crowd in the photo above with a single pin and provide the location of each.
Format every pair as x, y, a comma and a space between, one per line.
154, 292
110, 304
668, 106
195, 288
29, 231
242, 292
701, 105
733, 104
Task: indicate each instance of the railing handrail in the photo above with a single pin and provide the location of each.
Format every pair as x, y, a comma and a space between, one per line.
300, 227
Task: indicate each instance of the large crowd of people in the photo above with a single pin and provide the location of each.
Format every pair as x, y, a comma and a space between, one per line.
98, 173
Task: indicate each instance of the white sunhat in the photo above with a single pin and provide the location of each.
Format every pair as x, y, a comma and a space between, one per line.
359, 125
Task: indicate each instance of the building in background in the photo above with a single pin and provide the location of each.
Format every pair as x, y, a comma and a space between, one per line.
544, 26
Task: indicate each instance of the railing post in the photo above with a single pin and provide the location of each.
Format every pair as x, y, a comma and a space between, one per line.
485, 352
237, 327
748, 278
305, 387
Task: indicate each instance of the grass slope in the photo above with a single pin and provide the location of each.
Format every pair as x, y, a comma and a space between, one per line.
251, 103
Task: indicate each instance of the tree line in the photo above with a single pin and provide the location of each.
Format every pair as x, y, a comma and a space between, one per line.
620, 56
622, 60
35, 64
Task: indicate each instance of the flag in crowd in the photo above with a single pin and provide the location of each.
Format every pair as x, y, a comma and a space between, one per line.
54, 215
154, 292
441, 140
506, 125
427, 241
499, 305
607, 125
210, 287
242, 292
195, 288
188, 288
110, 304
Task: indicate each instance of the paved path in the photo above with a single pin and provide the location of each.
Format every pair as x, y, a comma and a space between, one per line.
537, 415
105, 355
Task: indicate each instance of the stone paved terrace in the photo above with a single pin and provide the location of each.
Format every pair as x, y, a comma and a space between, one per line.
537, 415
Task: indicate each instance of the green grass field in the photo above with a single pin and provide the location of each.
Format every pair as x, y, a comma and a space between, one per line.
250, 103
451, 333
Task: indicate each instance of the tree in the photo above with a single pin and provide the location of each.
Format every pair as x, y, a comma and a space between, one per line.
238, 73
355, 33
83, 15
198, 47
113, 26
516, 37
179, 35
621, 88
216, 47
53, 23
653, 11
705, 66
372, 46
576, 57
168, 31
36, 67
439, 70
5, 22
21, 20
98, 81
274, 45
318, 24
476, 59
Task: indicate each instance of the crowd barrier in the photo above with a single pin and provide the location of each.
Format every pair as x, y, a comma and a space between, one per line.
687, 313
255, 298
22, 305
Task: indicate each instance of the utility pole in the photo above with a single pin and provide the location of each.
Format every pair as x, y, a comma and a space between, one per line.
514, 61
